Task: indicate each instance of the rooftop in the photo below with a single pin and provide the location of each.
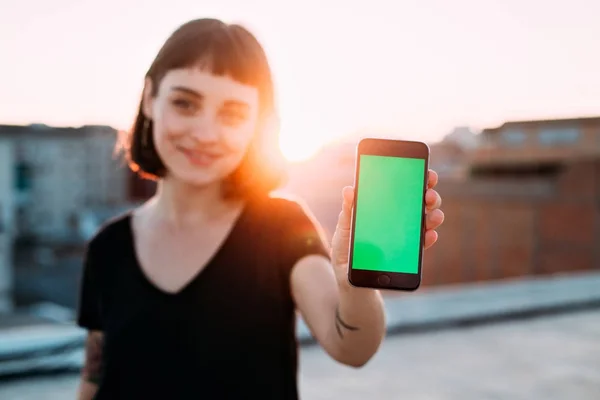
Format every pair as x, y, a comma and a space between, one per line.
41, 129
545, 122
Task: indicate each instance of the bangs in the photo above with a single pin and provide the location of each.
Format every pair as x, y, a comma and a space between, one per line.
213, 46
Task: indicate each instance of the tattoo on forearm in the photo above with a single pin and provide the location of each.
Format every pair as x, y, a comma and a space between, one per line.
340, 325
92, 369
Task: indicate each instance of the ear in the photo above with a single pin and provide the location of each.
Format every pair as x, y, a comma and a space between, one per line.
147, 99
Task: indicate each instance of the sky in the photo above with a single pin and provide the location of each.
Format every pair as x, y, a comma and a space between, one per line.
411, 69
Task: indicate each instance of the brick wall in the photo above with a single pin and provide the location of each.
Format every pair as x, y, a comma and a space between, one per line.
503, 228
508, 229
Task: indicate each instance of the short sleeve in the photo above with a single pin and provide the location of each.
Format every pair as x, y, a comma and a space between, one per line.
88, 313
302, 234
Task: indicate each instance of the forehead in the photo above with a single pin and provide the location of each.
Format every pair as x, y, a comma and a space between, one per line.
209, 85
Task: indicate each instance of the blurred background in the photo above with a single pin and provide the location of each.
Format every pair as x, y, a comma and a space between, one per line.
506, 93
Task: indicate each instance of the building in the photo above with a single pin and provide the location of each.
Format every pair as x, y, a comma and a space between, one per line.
528, 147
524, 207
59, 172
529, 207
7, 202
463, 137
447, 158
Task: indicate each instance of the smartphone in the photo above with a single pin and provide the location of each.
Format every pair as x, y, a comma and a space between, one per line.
388, 217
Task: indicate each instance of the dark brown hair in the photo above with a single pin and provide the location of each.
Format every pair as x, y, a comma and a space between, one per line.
223, 49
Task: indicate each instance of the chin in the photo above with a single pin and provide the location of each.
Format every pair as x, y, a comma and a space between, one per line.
200, 175
201, 171
197, 178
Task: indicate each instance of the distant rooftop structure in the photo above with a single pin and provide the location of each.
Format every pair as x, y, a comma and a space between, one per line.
463, 136
560, 122
39, 128
538, 142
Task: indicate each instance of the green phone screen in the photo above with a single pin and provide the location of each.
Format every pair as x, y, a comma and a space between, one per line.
389, 207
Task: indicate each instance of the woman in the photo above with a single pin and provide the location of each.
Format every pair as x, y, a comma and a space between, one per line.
193, 294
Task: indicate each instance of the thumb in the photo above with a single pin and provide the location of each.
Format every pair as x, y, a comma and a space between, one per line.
341, 237
346, 213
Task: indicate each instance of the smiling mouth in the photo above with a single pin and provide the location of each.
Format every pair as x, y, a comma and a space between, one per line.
200, 158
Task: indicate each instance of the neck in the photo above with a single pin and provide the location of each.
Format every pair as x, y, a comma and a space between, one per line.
184, 204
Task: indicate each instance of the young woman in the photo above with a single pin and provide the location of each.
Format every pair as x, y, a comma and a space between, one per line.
194, 294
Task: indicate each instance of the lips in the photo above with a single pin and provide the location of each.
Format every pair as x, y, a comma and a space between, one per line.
199, 158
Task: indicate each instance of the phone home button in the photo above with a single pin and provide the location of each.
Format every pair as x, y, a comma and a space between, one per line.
383, 280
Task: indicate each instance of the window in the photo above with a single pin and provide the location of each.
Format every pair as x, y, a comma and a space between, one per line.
21, 221
513, 137
558, 136
23, 177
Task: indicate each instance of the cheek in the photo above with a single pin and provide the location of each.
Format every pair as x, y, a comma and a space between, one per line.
166, 128
238, 140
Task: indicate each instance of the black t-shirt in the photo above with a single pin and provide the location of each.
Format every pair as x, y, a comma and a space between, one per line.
228, 334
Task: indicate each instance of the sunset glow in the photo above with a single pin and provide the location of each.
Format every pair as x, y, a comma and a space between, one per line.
416, 69
299, 142
295, 150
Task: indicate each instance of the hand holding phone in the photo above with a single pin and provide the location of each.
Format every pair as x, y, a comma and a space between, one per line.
388, 223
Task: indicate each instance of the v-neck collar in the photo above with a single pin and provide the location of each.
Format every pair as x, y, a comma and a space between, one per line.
218, 252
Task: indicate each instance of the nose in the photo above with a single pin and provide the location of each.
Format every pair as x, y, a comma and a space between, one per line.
205, 129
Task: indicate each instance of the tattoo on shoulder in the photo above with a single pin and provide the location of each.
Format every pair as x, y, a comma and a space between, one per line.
92, 369
340, 325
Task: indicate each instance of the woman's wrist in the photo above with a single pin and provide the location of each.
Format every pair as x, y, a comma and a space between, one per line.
346, 288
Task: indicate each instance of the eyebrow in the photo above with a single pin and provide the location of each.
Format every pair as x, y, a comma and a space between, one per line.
192, 92
188, 91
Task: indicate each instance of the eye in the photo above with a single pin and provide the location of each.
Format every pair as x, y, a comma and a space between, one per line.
232, 117
185, 105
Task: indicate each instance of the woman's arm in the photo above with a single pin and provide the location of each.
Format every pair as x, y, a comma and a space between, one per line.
348, 322
91, 372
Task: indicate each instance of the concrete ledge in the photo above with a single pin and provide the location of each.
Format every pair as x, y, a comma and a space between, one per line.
47, 345
465, 305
